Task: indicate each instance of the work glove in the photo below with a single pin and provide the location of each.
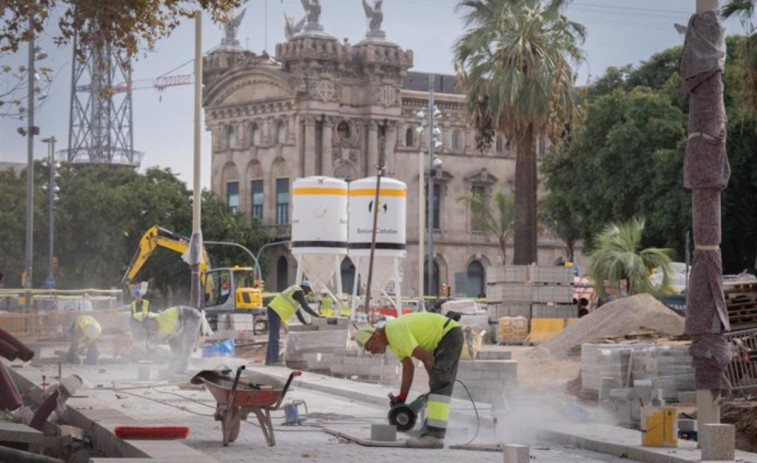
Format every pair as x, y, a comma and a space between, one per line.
396, 399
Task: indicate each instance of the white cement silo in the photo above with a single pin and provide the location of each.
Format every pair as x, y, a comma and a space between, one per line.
319, 230
390, 232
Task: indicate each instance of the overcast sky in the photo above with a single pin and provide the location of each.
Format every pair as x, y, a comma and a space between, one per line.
619, 32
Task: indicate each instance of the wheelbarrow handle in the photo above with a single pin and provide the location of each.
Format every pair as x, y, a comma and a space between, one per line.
286, 387
234, 386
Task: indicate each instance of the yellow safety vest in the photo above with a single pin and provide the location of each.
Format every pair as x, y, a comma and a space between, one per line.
168, 322
327, 306
81, 327
284, 304
145, 306
346, 309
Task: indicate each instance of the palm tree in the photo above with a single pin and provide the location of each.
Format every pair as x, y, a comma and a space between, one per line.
514, 62
498, 220
617, 257
746, 52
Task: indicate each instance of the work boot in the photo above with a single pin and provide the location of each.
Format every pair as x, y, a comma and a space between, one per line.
426, 441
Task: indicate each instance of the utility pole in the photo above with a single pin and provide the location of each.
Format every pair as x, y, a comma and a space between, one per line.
50, 283
30, 172
195, 244
430, 223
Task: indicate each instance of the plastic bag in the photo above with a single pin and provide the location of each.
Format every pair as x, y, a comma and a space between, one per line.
220, 349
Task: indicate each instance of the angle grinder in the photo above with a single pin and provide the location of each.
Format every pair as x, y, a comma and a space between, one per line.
405, 415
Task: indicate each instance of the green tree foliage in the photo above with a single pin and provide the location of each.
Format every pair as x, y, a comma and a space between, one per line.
515, 64
618, 256
102, 213
496, 219
626, 159
555, 214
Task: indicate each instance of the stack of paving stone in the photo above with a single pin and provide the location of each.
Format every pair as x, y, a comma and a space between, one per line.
491, 378
311, 347
664, 367
359, 365
530, 291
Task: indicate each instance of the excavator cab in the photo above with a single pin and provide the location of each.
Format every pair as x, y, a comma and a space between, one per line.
232, 288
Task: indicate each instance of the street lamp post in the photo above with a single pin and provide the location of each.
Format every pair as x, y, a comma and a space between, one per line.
50, 283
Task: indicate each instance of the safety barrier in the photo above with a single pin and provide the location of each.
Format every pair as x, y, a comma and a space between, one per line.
741, 374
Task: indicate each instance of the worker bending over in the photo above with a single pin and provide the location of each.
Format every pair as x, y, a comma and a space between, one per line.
280, 310
85, 331
435, 340
326, 304
178, 326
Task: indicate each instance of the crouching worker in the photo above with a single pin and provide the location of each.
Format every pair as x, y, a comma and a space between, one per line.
85, 332
436, 341
178, 326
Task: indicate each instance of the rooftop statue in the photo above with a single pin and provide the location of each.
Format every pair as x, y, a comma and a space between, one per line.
290, 28
313, 14
230, 27
375, 17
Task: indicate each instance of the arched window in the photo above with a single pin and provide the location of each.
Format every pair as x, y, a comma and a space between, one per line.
500, 145
456, 140
347, 269
282, 274
474, 286
433, 288
254, 135
229, 137
409, 137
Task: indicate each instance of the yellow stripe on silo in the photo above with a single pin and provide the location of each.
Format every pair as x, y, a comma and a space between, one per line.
372, 192
321, 191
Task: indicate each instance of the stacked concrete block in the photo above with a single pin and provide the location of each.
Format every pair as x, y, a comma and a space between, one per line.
489, 381
551, 274
718, 442
554, 311
359, 365
667, 368
489, 354
558, 294
507, 274
331, 323
495, 311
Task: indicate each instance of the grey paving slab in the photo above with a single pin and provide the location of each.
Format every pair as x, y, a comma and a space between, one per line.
17, 432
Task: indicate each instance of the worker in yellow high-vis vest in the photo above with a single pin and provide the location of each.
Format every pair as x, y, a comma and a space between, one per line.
178, 326
85, 331
326, 304
139, 304
435, 340
286, 304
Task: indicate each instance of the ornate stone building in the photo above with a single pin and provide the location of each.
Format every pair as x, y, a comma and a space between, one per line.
326, 107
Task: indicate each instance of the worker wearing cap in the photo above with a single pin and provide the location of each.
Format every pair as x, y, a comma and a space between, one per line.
435, 340
280, 310
85, 332
326, 304
178, 326
138, 304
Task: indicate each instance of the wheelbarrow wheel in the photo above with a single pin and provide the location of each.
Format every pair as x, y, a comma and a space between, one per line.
236, 423
229, 431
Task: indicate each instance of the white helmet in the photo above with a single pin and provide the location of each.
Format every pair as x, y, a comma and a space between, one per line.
307, 284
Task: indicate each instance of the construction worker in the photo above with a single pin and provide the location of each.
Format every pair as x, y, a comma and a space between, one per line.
326, 304
280, 310
178, 326
138, 304
85, 332
435, 340
345, 309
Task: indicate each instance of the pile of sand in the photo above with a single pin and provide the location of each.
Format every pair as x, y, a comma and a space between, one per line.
617, 318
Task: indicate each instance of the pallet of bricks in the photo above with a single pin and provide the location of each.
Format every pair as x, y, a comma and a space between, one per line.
741, 301
529, 303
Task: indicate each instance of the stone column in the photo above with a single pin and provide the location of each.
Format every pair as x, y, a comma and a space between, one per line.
391, 144
373, 147
309, 146
327, 167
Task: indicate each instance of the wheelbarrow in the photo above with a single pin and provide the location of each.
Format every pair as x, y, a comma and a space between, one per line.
237, 397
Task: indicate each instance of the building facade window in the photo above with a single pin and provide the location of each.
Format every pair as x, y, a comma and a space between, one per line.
232, 196
436, 202
281, 132
256, 187
409, 137
475, 280
254, 135
456, 140
475, 221
282, 201
229, 137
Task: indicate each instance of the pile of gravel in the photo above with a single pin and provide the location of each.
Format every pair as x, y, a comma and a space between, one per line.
617, 318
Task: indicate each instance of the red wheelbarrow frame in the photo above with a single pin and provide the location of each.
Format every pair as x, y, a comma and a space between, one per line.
235, 403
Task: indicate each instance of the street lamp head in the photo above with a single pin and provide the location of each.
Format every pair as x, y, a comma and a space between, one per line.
437, 162
421, 114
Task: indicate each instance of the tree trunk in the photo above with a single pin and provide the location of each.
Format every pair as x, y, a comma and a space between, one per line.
524, 239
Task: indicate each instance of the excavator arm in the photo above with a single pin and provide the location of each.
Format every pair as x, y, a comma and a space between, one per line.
156, 237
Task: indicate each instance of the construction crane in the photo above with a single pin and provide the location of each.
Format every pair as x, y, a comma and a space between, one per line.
159, 84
